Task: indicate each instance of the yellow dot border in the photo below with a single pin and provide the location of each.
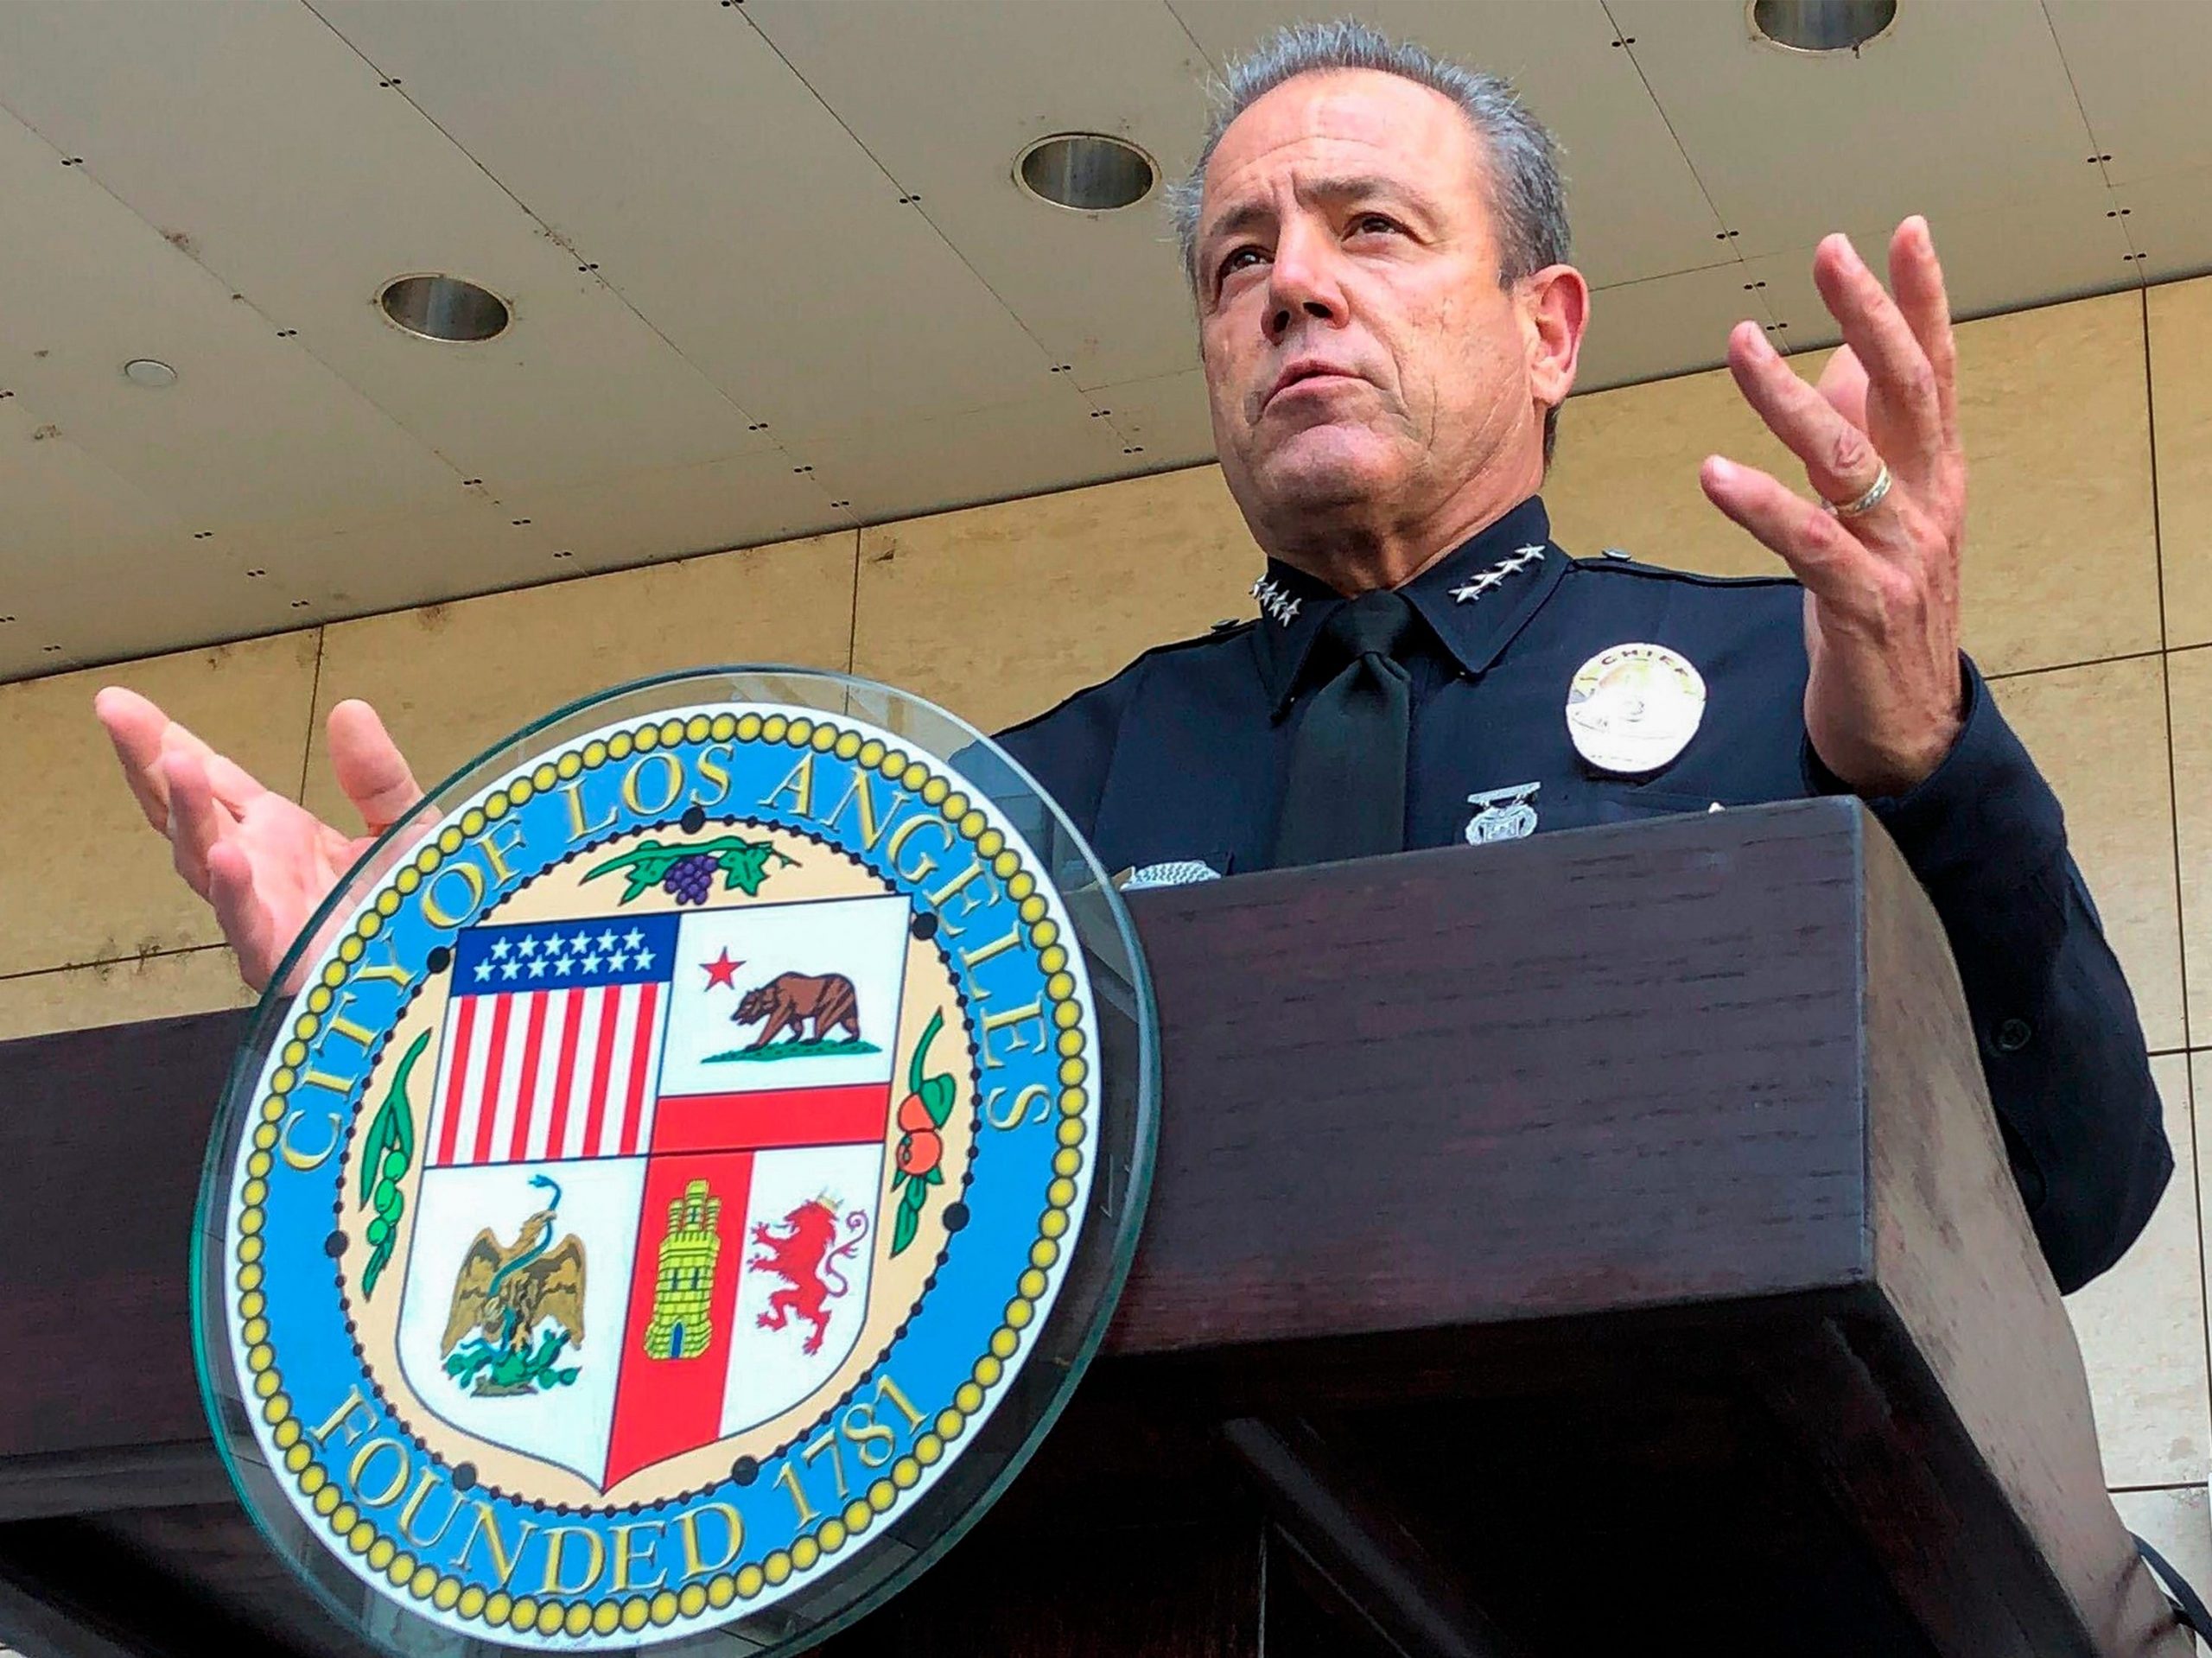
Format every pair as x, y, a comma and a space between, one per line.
495, 1609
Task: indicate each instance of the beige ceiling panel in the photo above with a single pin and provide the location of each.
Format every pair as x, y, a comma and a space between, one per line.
616, 522
1073, 586
1636, 206
2031, 253
927, 464
2180, 317
672, 147
451, 680
82, 879
2141, 69
1166, 416
1102, 291
2170, 221
1670, 325
63, 512
254, 137
1958, 107
252, 428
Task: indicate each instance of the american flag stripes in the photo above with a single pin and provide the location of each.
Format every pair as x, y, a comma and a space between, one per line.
553, 1042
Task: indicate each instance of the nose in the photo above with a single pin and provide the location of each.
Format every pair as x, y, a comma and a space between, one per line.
1302, 282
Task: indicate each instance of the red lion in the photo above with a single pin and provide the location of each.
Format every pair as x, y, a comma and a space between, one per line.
804, 1258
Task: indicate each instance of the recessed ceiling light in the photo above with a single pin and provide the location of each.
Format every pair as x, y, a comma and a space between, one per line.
1086, 171
1821, 25
148, 371
443, 307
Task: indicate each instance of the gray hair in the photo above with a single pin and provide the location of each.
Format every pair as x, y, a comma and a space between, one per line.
1528, 200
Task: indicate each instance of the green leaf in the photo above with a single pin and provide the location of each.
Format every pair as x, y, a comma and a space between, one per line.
921, 1053
937, 1095
936, 1176
746, 866
903, 1229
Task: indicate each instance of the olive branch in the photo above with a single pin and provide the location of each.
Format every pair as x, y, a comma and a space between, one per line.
744, 864
386, 1151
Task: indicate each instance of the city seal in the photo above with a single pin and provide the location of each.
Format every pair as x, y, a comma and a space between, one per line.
670, 1147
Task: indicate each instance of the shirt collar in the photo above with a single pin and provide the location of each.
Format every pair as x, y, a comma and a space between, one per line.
1505, 573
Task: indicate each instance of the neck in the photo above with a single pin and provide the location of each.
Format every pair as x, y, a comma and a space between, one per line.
1365, 548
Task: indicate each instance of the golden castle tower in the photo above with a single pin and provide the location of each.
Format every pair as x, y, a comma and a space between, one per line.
685, 1288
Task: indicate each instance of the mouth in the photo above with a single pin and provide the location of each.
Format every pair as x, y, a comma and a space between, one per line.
1304, 371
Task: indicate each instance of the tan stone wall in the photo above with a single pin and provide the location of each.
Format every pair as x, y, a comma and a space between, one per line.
2089, 589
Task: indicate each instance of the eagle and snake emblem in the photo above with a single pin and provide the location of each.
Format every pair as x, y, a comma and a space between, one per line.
517, 1308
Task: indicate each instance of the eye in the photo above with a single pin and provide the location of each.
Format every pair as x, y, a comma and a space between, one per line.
1236, 261
1363, 223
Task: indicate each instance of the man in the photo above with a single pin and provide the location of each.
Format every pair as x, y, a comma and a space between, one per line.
1376, 243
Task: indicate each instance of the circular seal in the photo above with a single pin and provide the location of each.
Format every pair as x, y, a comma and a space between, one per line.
1631, 709
685, 1179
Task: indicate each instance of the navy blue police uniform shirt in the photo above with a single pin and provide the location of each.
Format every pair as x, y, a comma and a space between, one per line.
1180, 760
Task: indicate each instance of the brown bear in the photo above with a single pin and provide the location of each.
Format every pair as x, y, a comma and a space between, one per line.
789, 1001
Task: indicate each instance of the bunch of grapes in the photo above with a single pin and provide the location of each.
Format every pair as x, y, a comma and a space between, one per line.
691, 878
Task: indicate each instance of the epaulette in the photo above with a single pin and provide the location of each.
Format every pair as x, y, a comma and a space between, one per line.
1615, 562
1220, 633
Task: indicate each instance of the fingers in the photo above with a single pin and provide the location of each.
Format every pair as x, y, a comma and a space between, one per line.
246, 920
1832, 562
1917, 278
1878, 335
198, 823
371, 770
1840, 459
134, 726
1843, 383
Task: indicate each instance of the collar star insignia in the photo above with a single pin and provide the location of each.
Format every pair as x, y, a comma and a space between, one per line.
1495, 575
1276, 603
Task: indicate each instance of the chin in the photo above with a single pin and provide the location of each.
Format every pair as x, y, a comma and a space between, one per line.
1327, 467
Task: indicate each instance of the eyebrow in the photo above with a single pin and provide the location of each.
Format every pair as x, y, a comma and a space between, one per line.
1252, 212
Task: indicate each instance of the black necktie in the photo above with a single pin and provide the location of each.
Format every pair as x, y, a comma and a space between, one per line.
1345, 794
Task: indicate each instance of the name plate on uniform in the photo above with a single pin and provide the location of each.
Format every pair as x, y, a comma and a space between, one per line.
694, 1157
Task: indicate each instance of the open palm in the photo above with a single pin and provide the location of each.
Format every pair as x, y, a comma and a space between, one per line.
263, 862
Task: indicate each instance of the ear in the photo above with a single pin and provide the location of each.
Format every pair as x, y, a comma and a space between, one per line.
1554, 310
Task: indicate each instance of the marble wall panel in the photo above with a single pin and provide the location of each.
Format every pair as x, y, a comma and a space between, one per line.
2061, 561
450, 680
2181, 402
82, 879
119, 992
999, 612
2141, 1326
2189, 675
2098, 734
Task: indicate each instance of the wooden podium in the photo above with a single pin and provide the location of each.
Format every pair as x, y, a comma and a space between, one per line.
1592, 1244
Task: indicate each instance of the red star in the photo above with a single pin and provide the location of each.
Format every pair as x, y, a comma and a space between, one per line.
722, 970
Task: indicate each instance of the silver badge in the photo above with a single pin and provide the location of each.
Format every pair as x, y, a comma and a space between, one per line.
1631, 709
1274, 602
1179, 872
1502, 814
1495, 576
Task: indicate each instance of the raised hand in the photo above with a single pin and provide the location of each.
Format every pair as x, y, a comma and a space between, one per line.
263, 862
1882, 705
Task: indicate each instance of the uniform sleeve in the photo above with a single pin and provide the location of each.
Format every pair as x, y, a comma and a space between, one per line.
2061, 1043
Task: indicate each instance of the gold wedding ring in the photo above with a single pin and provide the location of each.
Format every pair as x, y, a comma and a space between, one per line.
1867, 502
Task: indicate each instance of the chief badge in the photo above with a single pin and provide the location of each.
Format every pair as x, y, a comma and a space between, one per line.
1632, 708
